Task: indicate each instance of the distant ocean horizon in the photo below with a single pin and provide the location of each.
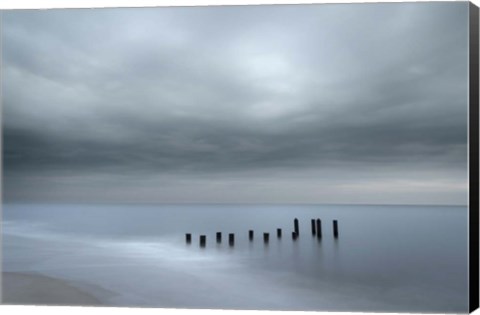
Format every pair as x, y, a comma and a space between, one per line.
386, 258
282, 204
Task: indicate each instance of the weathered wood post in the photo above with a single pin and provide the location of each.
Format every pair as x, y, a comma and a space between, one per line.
335, 228
203, 240
219, 237
231, 239
294, 236
188, 238
279, 233
250, 235
266, 237
295, 223
313, 227
319, 228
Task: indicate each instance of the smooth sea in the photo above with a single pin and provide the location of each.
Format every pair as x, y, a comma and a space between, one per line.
385, 259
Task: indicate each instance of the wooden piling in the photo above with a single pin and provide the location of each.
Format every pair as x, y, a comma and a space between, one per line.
313, 227
203, 240
188, 238
219, 237
231, 239
266, 237
335, 228
279, 233
294, 236
295, 223
319, 228
250, 235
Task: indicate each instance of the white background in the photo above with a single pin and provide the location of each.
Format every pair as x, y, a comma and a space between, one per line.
54, 310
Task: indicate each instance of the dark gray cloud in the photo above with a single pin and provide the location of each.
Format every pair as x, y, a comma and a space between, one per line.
317, 103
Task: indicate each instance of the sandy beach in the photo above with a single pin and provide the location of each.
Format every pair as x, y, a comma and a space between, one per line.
21, 288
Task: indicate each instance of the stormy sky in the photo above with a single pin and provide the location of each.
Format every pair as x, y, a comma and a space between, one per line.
339, 103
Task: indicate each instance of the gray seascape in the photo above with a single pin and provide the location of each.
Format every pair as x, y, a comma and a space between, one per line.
124, 129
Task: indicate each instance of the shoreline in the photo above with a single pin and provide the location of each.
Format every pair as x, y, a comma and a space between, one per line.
33, 289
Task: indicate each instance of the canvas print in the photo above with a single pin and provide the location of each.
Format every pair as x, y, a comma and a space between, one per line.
270, 157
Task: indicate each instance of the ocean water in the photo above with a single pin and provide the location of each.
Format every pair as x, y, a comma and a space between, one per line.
386, 258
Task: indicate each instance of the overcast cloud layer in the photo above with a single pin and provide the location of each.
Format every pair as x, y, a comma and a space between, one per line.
302, 103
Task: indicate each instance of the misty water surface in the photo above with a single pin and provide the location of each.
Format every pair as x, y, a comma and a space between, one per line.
387, 258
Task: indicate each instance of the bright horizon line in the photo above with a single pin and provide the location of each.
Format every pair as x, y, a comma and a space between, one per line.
230, 204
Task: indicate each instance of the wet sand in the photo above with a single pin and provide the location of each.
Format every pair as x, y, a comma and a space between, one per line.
28, 289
